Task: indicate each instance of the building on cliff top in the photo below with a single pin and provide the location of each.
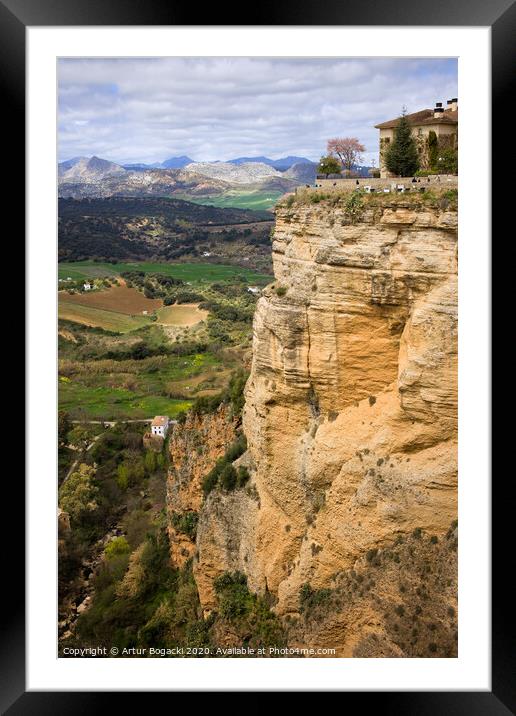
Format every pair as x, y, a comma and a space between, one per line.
159, 425
428, 125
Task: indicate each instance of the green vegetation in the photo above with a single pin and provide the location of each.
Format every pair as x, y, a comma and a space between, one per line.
78, 495
85, 402
146, 228
448, 161
311, 598
109, 320
329, 165
354, 206
248, 613
401, 156
186, 523
224, 475
258, 200
194, 273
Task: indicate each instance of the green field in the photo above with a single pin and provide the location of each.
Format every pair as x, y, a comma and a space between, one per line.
92, 390
257, 200
103, 403
108, 320
191, 273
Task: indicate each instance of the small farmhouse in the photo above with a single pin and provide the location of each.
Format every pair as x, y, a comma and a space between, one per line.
87, 286
159, 425
433, 129
254, 289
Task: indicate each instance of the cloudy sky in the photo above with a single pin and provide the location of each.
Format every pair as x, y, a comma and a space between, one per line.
146, 110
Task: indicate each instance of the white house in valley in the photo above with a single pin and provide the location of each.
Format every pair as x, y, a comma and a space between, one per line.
159, 425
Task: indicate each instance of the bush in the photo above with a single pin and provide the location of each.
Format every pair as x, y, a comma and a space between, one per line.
310, 598
281, 290
232, 594
186, 523
223, 473
354, 206
228, 477
116, 547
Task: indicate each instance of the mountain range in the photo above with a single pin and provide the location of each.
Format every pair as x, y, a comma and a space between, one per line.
82, 177
281, 164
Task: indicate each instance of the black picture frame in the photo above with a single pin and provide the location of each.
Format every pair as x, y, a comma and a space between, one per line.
500, 16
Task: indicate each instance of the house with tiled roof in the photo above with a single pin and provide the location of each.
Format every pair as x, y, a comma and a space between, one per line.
159, 426
433, 129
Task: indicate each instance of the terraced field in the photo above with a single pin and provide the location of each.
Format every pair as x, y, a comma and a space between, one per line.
120, 299
98, 317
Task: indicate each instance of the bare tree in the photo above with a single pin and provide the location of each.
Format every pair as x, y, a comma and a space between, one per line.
348, 150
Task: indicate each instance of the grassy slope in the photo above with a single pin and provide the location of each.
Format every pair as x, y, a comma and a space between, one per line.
257, 200
104, 403
108, 320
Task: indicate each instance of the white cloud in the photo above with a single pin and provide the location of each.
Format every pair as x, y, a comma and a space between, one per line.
130, 110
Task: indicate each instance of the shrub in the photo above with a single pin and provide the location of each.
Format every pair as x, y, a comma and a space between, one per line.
242, 476
186, 523
310, 598
233, 595
228, 477
223, 473
354, 206
116, 547
281, 290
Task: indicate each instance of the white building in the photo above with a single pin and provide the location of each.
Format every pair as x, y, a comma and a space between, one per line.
253, 289
159, 425
87, 286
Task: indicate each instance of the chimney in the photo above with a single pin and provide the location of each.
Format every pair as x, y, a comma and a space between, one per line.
453, 104
438, 110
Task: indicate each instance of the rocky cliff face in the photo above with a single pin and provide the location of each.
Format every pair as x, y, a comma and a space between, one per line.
194, 449
351, 405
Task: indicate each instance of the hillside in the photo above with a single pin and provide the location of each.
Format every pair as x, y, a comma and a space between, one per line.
84, 177
119, 228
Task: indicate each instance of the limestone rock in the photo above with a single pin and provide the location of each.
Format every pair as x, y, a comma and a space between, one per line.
351, 405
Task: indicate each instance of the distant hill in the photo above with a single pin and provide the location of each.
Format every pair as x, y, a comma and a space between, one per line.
303, 172
171, 163
176, 162
280, 164
245, 173
132, 228
83, 177
83, 169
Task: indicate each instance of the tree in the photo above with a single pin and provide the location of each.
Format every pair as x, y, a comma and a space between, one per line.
433, 150
79, 437
329, 165
78, 494
401, 157
122, 476
348, 150
447, 162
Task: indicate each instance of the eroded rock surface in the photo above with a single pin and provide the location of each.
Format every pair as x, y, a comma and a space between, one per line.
351, 405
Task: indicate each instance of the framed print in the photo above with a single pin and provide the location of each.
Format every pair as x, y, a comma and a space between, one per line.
258, 417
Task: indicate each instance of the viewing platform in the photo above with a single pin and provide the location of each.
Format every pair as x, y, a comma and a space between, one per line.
396, 184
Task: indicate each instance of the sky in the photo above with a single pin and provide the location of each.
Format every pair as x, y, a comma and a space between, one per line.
147, 110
